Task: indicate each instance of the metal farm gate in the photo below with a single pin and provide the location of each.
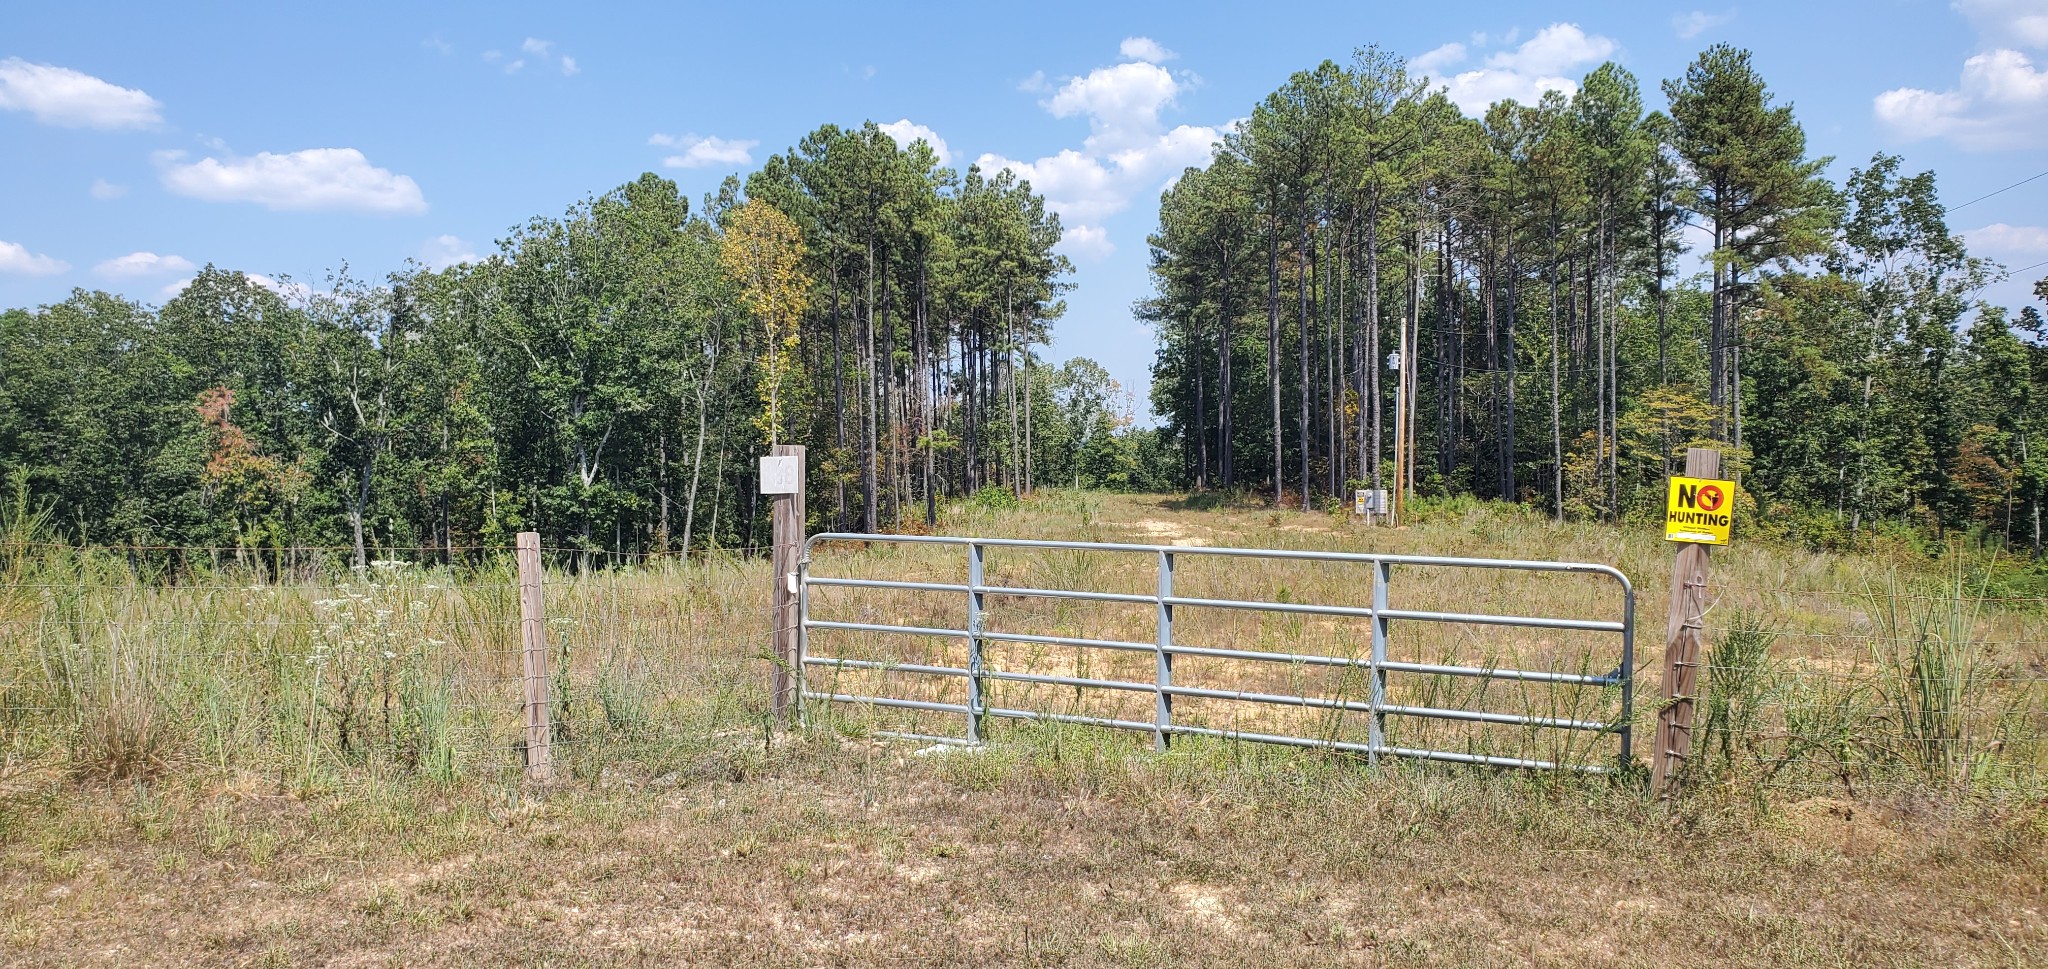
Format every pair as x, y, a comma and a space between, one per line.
885, 681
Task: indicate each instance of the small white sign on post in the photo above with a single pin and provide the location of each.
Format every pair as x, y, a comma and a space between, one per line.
1369, 501
781, 475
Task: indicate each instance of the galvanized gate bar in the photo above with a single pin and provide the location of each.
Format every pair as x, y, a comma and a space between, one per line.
1382, 576
888, 584
1069, 641
1166, 689
975, 703
1162, 714
877, 628
1069, 594
1304, 659
1165, 648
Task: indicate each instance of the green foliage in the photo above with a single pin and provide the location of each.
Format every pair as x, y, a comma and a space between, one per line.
601, 378
993, 498
1741, 682
1929, 661
1827, 350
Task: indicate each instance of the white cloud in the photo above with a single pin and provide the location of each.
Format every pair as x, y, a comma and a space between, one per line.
1481, 38
1544, 62
1165, 157
1434, 61
316, 179
443, 251
1087, 241
2001, 101
104, 190
2020, 22
1035, 84
1999, 237
172, 289
1128, 150
143, 264
540, 53
1085, 188
17, 260
1122, 103
1145, 49
70, 99
1079, 187
1558, 47
701, 152
907, 131
439, 45
1690, 25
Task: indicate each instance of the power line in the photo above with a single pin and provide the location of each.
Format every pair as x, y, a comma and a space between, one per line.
2022, 269
2001, 191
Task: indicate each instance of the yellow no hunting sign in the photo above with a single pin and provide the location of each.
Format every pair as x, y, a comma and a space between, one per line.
1699, 510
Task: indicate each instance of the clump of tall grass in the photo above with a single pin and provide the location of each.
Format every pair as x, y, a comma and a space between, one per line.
121, 728
98, 689
1946, 723
1741, 681
1922, 710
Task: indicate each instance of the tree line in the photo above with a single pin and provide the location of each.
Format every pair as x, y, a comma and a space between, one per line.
605, 377
1365, 288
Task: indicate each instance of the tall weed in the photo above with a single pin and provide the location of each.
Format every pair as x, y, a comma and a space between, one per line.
1928, 656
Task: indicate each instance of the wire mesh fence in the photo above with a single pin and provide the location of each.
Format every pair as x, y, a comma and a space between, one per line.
122, 660
121, 663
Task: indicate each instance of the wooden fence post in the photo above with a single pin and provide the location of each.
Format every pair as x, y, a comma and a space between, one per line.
1682, 645
533, 642
787, 517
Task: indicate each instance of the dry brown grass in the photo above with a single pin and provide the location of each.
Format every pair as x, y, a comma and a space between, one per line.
858, 854
682, 836
1826, 614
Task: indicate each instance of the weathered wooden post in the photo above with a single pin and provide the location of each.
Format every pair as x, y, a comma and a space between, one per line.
783, 475
1698, 511
533, 642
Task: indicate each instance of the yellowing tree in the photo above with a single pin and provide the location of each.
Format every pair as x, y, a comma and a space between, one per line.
762, 253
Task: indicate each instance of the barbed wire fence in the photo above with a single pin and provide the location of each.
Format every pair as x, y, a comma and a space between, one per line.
293, 665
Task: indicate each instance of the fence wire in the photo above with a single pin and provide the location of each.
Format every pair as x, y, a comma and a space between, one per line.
121, 664
122, 659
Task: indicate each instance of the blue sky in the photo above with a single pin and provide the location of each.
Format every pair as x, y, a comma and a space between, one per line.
138, 141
